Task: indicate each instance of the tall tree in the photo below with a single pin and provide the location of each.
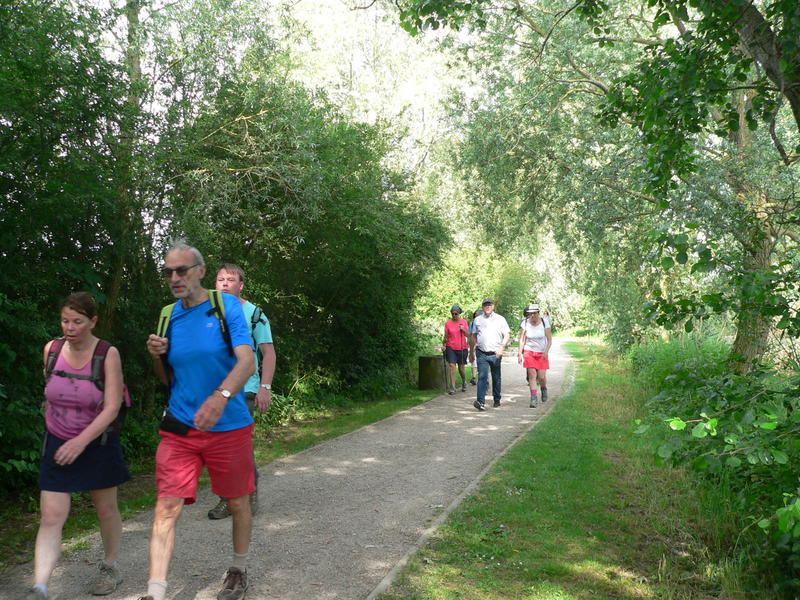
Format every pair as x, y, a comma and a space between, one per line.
681, 91
59, 99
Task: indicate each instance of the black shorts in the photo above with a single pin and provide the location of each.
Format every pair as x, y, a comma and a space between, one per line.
98, 467
455, 357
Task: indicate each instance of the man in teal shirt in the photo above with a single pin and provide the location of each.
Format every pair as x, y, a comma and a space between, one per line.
258, 389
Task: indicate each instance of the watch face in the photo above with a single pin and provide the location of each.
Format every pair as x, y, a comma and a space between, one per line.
225, 393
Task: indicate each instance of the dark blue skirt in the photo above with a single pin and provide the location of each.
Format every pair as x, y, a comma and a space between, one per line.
99, 466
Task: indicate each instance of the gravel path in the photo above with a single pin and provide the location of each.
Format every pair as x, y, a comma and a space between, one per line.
339, 519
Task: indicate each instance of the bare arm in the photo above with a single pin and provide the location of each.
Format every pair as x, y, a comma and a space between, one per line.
264, 396
504, 343
157, 348
522, 339
211, 410
112, 400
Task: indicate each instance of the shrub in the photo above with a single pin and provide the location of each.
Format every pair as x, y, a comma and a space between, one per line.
741, 429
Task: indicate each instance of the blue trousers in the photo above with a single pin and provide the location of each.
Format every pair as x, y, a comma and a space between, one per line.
487, 362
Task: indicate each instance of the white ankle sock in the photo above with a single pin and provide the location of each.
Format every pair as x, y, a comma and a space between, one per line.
157, 588
240, 561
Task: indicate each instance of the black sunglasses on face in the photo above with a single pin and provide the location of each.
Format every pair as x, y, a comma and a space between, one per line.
166, 272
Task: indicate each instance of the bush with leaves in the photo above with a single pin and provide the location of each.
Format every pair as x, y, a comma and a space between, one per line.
741, 428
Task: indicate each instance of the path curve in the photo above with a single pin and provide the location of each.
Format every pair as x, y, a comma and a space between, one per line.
338, 520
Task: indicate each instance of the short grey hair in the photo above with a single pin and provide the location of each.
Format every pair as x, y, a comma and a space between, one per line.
181, 245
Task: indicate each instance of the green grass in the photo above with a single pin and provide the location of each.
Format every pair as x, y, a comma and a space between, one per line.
578, 510
19, 517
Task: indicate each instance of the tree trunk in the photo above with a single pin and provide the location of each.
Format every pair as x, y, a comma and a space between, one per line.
125, 250
752, 328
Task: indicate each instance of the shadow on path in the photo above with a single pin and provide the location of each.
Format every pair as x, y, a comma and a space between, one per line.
335, 519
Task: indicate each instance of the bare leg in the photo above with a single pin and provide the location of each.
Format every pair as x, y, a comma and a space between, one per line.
105, 501
463, 372
162, 540
532, 382
531, 373
54, 507
542, 377
242, 525
452, 375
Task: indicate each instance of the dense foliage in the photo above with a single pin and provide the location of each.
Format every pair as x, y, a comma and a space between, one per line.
738, 429
109, 152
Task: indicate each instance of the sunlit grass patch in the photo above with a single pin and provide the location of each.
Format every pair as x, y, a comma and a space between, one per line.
578, 509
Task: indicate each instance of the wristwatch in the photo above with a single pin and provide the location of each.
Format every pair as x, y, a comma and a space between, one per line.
225, 393
266, 386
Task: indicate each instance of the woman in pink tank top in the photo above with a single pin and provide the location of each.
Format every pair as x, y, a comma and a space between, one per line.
81, 450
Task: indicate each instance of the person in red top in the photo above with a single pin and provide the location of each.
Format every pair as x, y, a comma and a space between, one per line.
456, 340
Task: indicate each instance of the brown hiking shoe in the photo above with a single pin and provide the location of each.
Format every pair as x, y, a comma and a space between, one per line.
235, 585
106, 580
220, 511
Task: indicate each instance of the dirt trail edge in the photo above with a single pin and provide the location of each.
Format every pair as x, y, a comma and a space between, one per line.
339, 520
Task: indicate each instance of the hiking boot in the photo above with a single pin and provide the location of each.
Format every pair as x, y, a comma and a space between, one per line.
496, 404
478, 405
534, 402
473, 382
34, 594
451, 391
106, 580
463, 387
254, 503
544, 395
220, 511
235, 585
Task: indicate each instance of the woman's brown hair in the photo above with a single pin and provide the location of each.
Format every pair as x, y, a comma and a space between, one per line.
81, 302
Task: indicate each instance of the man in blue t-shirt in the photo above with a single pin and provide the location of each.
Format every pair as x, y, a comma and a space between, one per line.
207, 424
258, 390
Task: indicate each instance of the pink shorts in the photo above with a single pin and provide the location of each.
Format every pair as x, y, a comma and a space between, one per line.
535, 360
228, 456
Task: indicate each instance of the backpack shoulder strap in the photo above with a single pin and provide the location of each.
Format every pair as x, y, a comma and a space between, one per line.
218, 306
52, 356
255, 319
163, 319
98, 375
98, 364
161, 331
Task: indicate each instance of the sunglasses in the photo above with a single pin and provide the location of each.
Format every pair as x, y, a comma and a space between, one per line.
166, 272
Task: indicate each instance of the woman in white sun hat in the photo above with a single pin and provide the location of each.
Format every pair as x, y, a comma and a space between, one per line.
534, 346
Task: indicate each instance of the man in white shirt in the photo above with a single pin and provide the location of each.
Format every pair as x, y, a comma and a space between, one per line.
490, 336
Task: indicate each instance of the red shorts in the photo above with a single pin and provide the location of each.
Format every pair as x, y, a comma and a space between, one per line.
535, 360
228, 456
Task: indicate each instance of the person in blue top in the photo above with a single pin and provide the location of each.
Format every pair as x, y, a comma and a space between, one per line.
207, 424
258, 390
